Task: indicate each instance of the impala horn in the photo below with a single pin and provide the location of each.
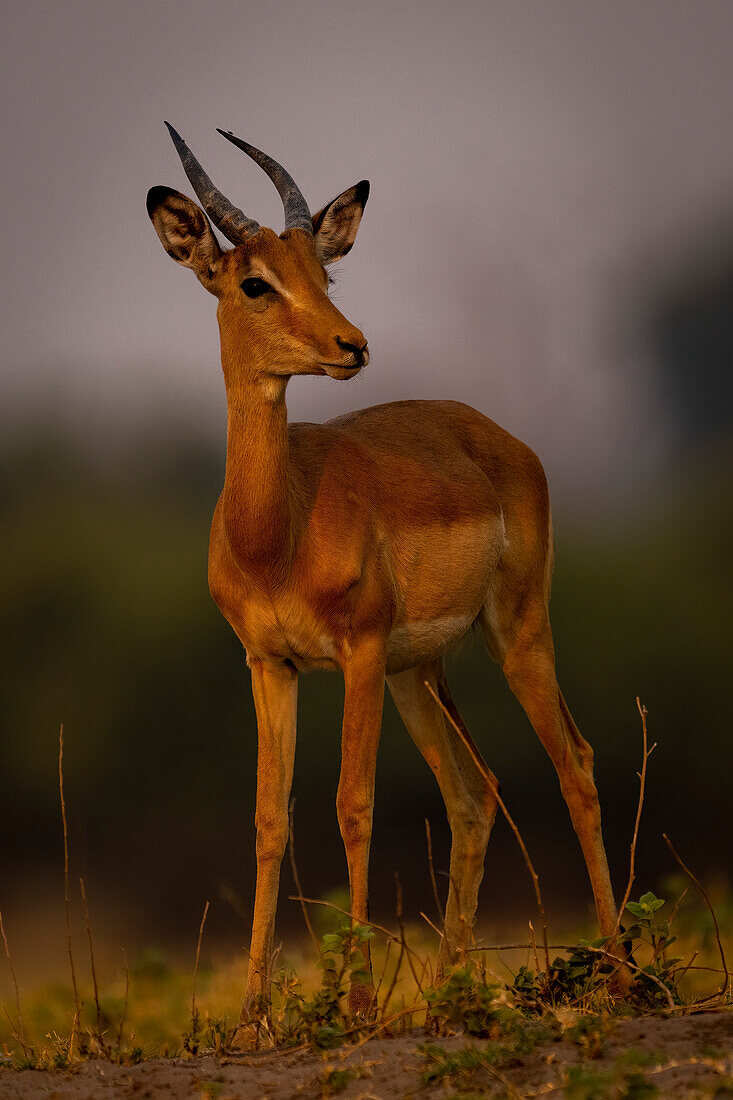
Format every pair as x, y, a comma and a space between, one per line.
235, 225
297, 214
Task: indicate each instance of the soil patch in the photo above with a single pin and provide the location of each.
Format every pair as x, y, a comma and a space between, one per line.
693, 1055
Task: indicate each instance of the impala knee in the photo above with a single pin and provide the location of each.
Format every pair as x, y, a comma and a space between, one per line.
355, 820
579, 791
272, 837
470, 829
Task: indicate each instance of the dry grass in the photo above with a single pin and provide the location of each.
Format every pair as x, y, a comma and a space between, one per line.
152, 1009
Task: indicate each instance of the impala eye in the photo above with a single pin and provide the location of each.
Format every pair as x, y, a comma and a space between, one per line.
253, 288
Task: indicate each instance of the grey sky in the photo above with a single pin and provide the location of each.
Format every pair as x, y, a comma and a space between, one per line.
532, 163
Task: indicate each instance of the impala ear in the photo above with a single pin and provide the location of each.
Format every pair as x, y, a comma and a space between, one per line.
185, 233
334, 227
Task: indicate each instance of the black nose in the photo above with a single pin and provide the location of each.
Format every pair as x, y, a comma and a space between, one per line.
356, 351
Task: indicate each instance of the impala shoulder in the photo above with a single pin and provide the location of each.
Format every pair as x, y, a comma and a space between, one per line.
342, 455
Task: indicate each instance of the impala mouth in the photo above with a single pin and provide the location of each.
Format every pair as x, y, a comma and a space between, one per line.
341, 370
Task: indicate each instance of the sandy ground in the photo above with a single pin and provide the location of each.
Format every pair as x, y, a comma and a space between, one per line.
391, 1068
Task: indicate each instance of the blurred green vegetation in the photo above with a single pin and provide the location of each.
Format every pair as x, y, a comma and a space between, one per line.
108, 627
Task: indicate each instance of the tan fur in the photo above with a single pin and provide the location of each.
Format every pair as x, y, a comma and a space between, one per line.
370, 544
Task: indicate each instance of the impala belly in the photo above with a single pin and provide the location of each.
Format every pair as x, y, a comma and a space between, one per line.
442, 575
417, 642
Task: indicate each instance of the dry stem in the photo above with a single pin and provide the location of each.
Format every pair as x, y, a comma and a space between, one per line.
640, 804
296, 877
127, 1001
20, 1033
432, 924
196, 967
679, 980
400, 922
67, 892
100, 1034
395, 976
367, 923
436, 895
534, 946
702, 890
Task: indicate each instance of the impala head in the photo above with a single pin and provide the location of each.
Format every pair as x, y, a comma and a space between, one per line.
275, 316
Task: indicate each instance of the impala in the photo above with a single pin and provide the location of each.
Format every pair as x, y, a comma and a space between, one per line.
369, 544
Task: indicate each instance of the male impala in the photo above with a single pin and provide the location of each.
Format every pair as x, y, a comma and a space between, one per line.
368, 544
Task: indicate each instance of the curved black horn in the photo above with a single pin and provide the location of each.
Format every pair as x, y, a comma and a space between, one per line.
228, 218
297, 214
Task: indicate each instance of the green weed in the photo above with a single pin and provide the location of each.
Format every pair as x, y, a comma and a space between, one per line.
322, 1020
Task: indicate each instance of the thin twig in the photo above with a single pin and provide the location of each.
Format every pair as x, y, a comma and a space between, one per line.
18, 1037
400, 922
383, 971
678, 981
67, 891
427, 966
296, 877
639, 806
20, 1034
534, 946
126, 1003
481, 765
432, 924
100, 1035
366, 923
75, 1033
701, 888
433, 879
196, 967
708, 969
676, 909
395, 976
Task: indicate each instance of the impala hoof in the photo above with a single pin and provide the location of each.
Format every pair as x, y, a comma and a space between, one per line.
362, 1003
253, 1027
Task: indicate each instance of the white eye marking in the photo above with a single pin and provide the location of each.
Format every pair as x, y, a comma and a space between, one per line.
262, 272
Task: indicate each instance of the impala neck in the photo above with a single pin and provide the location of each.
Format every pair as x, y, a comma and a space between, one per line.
256, 499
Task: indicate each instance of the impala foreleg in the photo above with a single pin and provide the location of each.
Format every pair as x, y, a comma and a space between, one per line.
363, 703
466, 788
275, 690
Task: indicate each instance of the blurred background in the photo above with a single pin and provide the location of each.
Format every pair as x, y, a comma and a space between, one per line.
549, 238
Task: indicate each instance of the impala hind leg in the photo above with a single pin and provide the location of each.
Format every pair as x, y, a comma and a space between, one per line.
528, 663
363, 703
275, 690
466, 788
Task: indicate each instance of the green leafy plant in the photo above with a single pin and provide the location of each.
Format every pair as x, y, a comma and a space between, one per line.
467, 1002
323, 1019
654, 934
585, 971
